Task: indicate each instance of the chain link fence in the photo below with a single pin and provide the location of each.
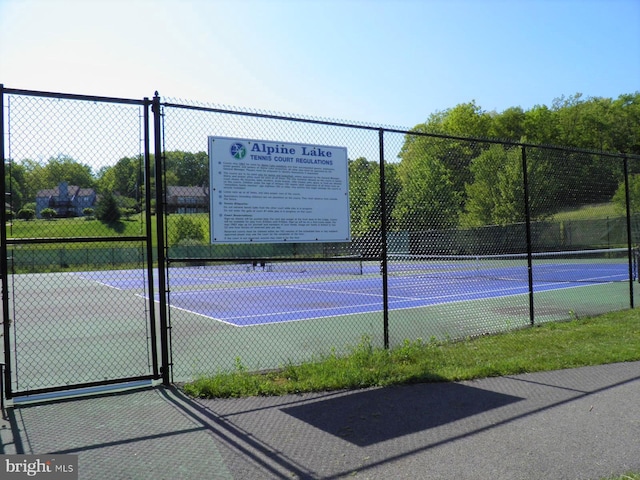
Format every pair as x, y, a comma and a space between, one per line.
451, 238
110, 272
75, 269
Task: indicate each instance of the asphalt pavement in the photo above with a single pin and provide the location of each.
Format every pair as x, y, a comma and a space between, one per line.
581, 424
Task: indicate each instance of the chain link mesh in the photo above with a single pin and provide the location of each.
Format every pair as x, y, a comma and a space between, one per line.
461, 232
450, 238
77, 271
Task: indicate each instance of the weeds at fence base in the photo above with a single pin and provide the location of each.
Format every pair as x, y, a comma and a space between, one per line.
610, 338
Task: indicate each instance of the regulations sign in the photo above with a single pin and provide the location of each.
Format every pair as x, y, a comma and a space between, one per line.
275, 192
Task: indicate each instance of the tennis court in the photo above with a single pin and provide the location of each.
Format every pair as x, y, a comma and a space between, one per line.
259, 293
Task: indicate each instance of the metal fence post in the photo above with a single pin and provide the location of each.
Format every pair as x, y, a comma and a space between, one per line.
3, 261
162, 281
629, 232
149, 234
527, 215
383, 233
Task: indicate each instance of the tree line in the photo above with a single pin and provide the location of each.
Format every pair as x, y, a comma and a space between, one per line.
436, 181
440, 182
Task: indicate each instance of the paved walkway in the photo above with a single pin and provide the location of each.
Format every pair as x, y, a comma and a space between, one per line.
572, 424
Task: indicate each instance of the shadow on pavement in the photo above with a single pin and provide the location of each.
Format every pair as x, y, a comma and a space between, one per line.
373, 416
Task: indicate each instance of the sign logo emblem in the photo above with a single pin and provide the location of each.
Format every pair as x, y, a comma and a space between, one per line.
238, 151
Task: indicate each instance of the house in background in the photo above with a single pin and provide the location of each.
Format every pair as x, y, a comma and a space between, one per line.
67, 200
187, 199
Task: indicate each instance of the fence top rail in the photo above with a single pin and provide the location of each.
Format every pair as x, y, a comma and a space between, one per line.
277, 116
72, 96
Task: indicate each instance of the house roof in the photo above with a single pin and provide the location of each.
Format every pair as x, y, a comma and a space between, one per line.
74, 191
178, 191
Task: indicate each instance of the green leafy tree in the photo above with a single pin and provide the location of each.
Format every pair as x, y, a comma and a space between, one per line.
428, 198
620, 196
496, 194
66, 169
186, 230
190, 169
508, 125
15, 185
540, 125
624, 134
125, 178
360, 172
453, 154
107, 210
371, 218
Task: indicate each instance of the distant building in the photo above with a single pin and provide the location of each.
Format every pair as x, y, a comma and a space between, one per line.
187, 199
67, 200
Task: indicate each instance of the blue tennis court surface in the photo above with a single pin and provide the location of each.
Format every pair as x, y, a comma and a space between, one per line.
246, 296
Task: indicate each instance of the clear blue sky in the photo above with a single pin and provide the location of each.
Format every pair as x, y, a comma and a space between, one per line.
391, 62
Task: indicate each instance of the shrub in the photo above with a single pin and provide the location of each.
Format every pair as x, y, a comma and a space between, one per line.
48, 213
186, 230
26, 214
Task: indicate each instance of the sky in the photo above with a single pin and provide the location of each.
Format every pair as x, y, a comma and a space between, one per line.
383, 62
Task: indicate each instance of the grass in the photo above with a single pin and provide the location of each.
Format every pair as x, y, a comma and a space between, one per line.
74, 227
589, 212
610, 338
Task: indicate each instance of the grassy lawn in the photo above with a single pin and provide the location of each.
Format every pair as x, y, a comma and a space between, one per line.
610, 338
84, 227
589, 212
74, 227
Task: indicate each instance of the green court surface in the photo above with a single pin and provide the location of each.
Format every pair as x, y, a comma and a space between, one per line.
68, 330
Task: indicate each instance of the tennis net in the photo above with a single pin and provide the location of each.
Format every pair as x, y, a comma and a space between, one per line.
321, 266
588, 266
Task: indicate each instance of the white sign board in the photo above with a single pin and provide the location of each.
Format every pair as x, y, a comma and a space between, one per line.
275, 192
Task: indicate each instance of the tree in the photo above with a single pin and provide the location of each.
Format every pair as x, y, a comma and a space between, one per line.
371, 218
496, 195
38, 176
509, 125
107, 210
428, 198
15, 185
360, 172
65, 169
620, 196
186, 230
540, 125
191, 169
125, 177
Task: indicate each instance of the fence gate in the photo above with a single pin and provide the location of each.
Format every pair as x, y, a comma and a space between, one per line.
77, 273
